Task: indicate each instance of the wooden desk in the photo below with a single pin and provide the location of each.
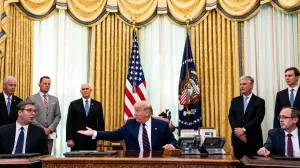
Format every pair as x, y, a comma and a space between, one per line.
133, 159
257, 161
33, 162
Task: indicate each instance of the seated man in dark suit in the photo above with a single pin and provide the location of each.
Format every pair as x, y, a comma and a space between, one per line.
140, 133
285, 140
22, 136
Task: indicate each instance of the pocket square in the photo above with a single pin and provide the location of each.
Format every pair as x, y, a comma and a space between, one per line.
53, 103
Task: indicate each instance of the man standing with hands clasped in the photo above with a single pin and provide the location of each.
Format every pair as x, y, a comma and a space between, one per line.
84, 112
246, 114
47, 110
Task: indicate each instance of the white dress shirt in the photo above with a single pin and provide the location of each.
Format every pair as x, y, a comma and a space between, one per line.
140, 135
89, 99
295, 141
18, 130
295, 91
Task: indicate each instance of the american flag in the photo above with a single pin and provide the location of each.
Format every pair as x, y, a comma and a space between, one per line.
135, 82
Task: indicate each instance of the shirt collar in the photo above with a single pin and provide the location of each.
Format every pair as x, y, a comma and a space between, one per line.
294, 133
42, 94
148, 123
5, 96
18, 126
249, 96
89, 99
295, 88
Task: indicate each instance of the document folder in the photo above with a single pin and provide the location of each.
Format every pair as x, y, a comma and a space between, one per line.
278, 157
89, 153
19, 155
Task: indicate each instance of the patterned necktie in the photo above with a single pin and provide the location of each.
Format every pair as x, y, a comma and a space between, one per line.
8, 106
146, 144
292, 99
245, 103
290, 152
45, 102
20, 142
86, 107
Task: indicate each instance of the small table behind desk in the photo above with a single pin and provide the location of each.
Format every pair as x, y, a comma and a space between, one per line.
33, 162
135, 159
258, 161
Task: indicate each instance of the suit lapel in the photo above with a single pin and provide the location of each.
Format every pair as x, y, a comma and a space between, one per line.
297, 98
2, 101
282, 141
153, 132
91, 106
12, 132
286, 96
39, 101
29, 138
81, 106
135, 131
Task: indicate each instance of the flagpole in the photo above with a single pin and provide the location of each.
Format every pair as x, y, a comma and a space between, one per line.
133, 21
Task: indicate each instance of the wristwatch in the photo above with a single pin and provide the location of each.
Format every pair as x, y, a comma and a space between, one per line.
244, 129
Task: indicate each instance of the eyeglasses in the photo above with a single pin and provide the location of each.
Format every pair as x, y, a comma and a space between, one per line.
284, 117
29, 110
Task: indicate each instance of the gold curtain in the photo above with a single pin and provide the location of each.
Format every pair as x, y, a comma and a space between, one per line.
17, 58
110, 52
215, 49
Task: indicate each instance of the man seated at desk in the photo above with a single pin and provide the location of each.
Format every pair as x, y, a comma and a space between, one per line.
22, 136
140, 133
284, 140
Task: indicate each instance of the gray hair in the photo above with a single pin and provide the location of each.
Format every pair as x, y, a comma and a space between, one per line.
8, 78
86, 84
249, 78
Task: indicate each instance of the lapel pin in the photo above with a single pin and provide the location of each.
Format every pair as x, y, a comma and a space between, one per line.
155, 129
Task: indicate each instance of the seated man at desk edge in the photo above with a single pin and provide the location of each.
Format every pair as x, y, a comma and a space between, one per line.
285, 140
140, 133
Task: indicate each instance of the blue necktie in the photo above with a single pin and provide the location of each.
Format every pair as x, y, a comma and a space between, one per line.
245, 103
86, 107
20, 142
8, 106
292, 98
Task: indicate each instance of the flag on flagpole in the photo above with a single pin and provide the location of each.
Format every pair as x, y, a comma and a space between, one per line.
135, 89
189, 92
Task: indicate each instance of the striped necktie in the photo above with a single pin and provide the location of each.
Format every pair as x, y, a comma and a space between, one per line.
146, 144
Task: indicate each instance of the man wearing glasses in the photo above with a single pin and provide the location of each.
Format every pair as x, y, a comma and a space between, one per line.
285, 140
22, 136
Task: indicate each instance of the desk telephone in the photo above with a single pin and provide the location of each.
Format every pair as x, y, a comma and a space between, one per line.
211, 145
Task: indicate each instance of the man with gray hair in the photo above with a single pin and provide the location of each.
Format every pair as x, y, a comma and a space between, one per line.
246, 114
8, 101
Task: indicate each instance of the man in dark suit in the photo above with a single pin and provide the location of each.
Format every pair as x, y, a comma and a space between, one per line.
289, 97
140, 133
84, 112
8, 101
246, 114
285, 140
22, 136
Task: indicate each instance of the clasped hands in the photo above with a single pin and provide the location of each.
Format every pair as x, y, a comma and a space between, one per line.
240, 133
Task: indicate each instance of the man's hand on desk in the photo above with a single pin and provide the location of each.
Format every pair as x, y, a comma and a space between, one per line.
99, 143
168, 146
70, 143
263, 152
88, 132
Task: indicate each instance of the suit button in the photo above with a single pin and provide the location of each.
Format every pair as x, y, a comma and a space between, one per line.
45, 122
47, 115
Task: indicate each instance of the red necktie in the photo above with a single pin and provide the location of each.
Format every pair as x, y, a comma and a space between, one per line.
45, 103
290, 146
146, 144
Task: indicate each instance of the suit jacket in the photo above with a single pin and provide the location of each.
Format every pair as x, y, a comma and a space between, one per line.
276, 141
36, 141
251, 120
46, 119
77, 120
13, 115
160, 134
283, 100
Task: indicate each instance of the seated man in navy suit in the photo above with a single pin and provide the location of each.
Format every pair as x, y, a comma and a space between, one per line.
140, 133
22, 136
285, 140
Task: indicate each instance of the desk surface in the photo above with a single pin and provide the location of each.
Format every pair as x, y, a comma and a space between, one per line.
20, 162
258, 161
140, 160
